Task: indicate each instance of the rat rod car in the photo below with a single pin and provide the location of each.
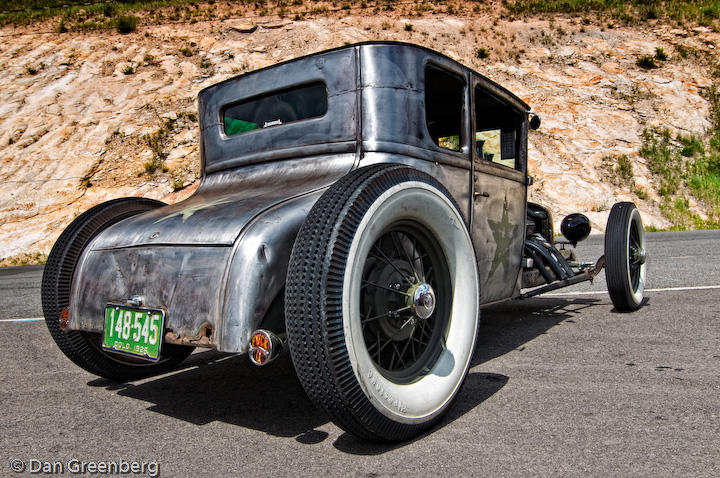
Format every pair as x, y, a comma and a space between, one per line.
359, 205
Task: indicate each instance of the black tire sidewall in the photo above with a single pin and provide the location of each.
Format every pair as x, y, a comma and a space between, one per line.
624, 296
317, 308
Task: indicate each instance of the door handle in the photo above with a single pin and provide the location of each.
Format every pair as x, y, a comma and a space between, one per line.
483, 194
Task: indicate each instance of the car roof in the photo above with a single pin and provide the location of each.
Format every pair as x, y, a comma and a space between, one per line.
384, 42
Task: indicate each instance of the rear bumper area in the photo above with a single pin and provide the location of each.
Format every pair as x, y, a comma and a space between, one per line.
187, 281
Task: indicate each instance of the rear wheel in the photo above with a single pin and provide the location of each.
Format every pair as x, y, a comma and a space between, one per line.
382, 302
625, 257
85, 348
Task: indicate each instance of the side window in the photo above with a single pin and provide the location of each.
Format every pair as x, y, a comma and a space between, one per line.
496, 130
444, 107
275, 109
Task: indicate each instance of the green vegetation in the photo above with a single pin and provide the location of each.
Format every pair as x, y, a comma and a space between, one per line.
660, 54
653, 229
178, 181
481, 53
76, 13
149, 60
704, 12
128, 70
126, 24
683, 168
646, 62
619, 172
24, 259
158, 140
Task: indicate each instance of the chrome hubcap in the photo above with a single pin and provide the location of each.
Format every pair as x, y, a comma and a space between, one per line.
639, 256
422, 300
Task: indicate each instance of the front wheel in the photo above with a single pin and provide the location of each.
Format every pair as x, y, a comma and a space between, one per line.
625, 257
382, 302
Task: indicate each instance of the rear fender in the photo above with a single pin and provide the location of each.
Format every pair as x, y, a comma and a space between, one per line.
256, 273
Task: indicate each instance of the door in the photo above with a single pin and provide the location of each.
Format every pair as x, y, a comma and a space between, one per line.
499, 192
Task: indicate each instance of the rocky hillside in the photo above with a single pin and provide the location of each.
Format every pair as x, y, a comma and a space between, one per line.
90, 116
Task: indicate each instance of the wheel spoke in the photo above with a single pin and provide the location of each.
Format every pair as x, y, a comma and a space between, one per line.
403, 252
377, 343
389, 341
396, 354
367, 282
407, 344
415, 339
379, 316
424, 332
384, 258
412, 254
428, 274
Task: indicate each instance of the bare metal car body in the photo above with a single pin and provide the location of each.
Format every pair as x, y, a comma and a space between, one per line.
217, 261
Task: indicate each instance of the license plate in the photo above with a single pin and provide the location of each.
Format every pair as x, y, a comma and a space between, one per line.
134, 331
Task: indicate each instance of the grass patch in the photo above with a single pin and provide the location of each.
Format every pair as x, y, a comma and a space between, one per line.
75, 13
660, 54
24, 259
156, 142
703, 12
691, 145
619, 170
653, 229
646, 62
683, 168
126, 24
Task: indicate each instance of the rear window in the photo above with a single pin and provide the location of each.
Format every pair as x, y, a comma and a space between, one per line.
275, 109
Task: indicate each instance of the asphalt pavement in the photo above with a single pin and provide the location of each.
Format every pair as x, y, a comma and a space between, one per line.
561, 385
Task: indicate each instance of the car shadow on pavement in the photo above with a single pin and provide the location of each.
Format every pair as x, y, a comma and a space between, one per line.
212, 386
504, 327
227, 388
510, 325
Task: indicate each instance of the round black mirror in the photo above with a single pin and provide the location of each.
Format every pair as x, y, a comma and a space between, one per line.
575, 227
535, 121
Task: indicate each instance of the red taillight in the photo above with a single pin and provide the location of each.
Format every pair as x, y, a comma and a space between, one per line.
64, 318
264, 347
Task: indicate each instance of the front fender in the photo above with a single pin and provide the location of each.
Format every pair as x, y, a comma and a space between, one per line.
257, 270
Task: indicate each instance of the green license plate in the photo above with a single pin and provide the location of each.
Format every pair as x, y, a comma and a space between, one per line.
134, 330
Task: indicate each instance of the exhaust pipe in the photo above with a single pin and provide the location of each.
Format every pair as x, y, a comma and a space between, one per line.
265, 347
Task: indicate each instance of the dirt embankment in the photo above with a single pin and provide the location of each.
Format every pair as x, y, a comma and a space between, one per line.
92, 116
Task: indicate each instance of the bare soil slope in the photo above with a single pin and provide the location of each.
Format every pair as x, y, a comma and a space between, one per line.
87, 117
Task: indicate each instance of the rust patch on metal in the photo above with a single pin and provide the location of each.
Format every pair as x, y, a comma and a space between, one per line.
203, 337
